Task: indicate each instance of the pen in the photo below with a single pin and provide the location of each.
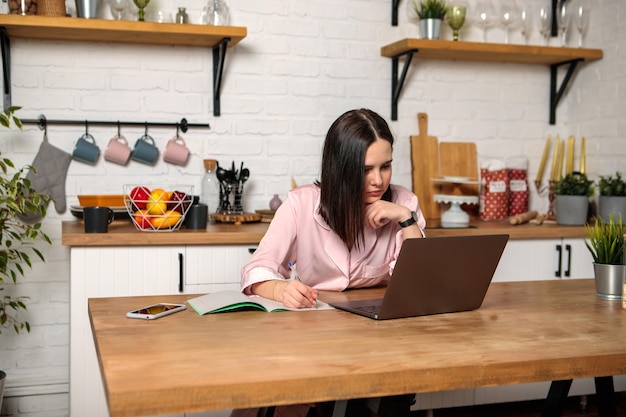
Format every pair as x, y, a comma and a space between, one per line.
294, 275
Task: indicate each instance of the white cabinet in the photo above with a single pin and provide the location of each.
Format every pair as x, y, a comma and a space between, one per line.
129, 271
543, 259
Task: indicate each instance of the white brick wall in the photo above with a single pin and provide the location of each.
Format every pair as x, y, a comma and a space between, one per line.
302, 64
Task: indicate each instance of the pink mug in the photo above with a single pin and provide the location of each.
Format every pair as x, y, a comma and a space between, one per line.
176, 151
117, 150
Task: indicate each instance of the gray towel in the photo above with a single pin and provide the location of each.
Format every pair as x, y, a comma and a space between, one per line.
51, 164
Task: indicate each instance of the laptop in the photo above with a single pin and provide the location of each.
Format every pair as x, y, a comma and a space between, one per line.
435, 275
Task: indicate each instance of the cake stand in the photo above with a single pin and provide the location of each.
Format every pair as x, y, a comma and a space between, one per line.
455, 217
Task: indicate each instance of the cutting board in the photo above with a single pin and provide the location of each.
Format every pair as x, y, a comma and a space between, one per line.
459, 159
425, 167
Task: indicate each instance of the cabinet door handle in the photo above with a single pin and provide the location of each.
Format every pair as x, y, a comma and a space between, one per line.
568, 249
180, 272
251, 250
559, 249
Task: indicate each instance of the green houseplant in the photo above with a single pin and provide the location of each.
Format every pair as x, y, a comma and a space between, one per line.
17, 239
17, 198
612, 199
606, 244
430, 14
571, 198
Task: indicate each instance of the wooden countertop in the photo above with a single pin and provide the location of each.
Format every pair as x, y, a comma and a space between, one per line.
123, 233
524, 332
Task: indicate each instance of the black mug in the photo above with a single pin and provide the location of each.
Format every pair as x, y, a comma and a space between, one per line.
97, 219
197, 216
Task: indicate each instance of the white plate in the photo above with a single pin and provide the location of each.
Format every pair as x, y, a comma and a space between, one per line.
456, 179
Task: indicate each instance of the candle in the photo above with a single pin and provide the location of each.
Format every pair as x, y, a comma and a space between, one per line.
542, 165
554, 159
569, 164
559, 163
582, 155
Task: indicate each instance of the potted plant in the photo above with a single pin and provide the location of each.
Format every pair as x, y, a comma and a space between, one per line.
17, 198
431, 14
606, 244
571, 198
612, 195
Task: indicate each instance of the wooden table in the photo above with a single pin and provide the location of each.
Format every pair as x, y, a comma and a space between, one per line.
524, 332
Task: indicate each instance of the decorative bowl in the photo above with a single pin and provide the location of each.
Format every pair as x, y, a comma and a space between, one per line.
154, 208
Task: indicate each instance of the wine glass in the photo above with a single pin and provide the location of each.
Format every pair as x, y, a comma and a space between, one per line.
581, 19
484, 17
562, 19
456, 17
525, 20
118, 8
507, 17
142, 4
545, 23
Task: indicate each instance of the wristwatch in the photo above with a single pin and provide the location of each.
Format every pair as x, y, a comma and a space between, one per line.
410, 221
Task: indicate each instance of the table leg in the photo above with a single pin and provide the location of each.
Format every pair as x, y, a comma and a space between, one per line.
340, 408
605, 394
555, 402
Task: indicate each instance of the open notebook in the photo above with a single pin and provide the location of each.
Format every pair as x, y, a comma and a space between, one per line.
435, 275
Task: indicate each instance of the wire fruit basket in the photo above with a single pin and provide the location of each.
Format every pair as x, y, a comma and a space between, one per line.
157, 208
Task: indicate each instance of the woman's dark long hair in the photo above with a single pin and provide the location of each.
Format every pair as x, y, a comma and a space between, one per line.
343, 172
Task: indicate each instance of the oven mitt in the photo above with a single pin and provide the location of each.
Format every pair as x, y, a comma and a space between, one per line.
51, 164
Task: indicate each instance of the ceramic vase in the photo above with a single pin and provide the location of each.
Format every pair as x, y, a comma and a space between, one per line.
275, 202
612, 204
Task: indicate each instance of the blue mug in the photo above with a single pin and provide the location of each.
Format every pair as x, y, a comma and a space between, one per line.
145, 151
86, 149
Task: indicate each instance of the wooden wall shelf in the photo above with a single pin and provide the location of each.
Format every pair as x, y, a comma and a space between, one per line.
121, 31
486, 52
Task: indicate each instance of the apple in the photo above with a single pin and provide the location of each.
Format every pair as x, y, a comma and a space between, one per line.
139, 196
178, 202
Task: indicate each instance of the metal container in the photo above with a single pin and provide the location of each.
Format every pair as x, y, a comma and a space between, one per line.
609, 281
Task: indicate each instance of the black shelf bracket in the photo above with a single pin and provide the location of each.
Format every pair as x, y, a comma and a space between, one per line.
555, 95
398, 82
6, 67
219, 55
394, 12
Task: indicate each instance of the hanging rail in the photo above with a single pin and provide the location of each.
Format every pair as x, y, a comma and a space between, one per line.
43, 123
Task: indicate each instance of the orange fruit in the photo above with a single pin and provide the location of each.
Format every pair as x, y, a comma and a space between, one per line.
142, 219
167, 220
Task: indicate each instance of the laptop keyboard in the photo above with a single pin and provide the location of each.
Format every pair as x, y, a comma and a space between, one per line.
372, 309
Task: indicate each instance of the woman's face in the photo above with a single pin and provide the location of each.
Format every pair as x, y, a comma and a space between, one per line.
377, 170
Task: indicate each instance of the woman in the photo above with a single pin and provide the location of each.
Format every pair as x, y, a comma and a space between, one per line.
344, 231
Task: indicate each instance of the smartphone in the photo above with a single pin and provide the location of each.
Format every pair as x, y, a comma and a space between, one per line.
155, 311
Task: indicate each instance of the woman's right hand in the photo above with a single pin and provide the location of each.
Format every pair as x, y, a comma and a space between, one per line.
295, 294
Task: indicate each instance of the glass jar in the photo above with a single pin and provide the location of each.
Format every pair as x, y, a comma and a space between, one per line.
210, 190
216, 13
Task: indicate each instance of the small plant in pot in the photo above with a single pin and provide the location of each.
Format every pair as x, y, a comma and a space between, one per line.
571, 198
612, 198
430, 14
606, 244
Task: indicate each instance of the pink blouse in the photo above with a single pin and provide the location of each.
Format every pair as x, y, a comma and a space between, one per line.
298, 234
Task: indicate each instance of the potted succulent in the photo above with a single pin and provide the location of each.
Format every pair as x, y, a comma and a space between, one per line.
606, 244
571, 198
612, 198
17, 239
431, 14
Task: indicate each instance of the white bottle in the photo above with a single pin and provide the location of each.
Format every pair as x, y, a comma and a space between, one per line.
210, 190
